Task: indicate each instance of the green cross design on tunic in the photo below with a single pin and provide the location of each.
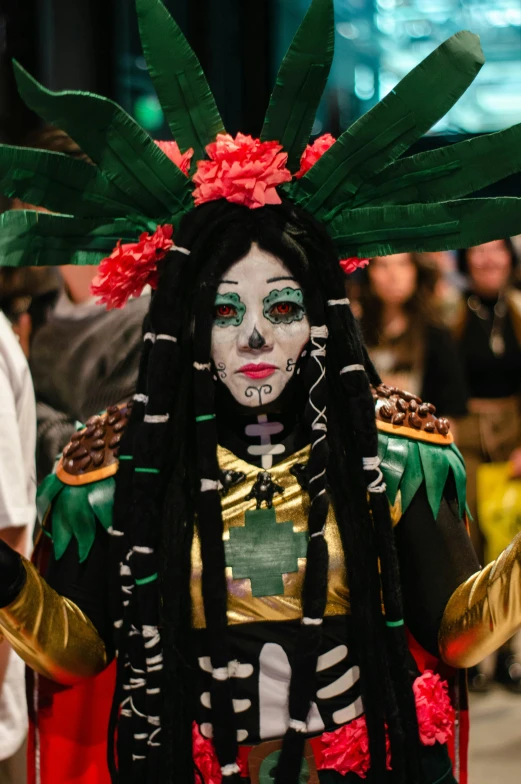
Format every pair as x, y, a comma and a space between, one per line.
264, 550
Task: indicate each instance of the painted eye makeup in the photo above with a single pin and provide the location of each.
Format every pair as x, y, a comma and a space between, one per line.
283, 306
228, 310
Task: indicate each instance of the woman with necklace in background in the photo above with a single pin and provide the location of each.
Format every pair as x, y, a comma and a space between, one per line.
401, 321
488, 329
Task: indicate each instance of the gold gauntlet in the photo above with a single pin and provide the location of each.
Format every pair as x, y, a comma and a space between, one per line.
50, 633
483, 612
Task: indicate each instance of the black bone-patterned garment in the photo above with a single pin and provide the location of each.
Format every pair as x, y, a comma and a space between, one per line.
260, 674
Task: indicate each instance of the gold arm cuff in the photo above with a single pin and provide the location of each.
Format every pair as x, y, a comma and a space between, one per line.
484, 611
50, 633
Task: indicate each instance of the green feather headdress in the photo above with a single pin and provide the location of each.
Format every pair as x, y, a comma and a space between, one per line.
372, 200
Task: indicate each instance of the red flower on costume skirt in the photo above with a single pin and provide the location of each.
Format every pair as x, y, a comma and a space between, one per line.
435, 713
172, 151
347, 749
352, 263
241, 170
313, 153
130, 267
205, 758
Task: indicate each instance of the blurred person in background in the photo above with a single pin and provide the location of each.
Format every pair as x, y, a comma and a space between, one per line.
83, 358
488, 330
26, 298
450, 282
17, 507
407, 342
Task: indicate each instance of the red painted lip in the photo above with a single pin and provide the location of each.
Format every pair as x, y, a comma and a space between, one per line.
262, 370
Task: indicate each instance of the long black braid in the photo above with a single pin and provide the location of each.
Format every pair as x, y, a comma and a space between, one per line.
169, 476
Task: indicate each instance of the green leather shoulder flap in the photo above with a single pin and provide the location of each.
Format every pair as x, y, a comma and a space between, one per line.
75, 510
406, 463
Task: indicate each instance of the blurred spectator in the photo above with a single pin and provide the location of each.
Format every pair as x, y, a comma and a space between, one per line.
409, 345
83, 358
17, 517
488, 330
26, 297
450, 282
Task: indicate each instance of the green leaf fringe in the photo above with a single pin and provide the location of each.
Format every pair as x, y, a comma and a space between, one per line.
75, 510
406, 464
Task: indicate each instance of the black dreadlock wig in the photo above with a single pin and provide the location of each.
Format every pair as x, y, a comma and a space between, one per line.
168, 482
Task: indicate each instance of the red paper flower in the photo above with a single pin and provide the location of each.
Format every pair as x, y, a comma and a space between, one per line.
130, 267
241, 170
205, 758
172, 151
347, 749
352, 263
435, 713
313, 152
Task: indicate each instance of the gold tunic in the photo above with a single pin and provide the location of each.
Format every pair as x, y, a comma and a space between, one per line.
292, 506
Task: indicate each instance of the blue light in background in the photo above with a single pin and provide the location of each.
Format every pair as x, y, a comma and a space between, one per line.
379, 41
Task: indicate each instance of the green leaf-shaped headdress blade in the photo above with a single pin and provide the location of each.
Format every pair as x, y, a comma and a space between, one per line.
301, 81
182, 89
389, 128
126, 154
59, 183
380, 231
446, 173
29, 238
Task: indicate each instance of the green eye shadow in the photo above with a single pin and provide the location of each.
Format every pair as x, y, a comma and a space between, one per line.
293, 296
234, 301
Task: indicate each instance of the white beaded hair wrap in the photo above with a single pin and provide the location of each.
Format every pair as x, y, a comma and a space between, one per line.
318, 352
333, 302
352, 369
373, 464
156, 419
210, 484
229, 770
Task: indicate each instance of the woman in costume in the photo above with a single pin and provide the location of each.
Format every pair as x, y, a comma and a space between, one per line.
260, 597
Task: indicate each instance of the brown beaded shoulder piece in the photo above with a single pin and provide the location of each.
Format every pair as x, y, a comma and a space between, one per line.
92, 453
403, 414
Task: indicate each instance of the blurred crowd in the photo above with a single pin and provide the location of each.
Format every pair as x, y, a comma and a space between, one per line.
444, 326
447, 327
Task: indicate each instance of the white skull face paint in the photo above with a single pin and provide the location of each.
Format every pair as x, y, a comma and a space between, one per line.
260, 328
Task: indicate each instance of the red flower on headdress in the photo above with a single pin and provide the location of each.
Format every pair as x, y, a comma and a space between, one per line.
313, 152
172, 151
241, 170
435, 713
352, 263
130, 267
347, 749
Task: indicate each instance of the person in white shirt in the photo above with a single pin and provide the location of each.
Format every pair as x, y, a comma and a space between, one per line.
17, 518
